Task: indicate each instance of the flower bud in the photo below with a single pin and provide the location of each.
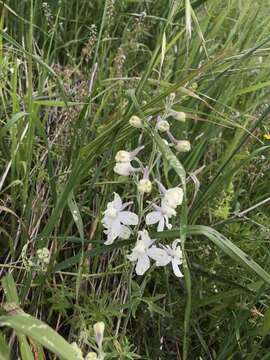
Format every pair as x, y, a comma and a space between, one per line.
43, 253
172, 97
136, 122
163, 126
91, 356
178, 115
77, 350
99, 331
122, 156
145, 186
183, 146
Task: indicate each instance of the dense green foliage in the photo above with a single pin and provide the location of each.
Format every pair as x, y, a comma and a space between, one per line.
72, 74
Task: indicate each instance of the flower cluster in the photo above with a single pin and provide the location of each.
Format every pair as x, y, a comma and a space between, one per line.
119, 221
39, 262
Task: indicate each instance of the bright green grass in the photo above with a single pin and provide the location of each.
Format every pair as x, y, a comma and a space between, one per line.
71, 75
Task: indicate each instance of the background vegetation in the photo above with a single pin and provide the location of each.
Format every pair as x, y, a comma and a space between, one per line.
72, 73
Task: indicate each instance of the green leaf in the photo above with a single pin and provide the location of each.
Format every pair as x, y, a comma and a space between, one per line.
40, 332
265, 329
10, 291
14, 119
4, 349
225, 245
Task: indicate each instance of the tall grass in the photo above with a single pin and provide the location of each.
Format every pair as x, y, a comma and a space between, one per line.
72, 74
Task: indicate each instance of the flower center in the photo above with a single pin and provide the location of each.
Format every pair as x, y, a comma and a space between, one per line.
112, 212
140, 247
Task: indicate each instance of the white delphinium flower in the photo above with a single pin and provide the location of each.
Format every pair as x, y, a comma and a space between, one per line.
160, 216
163, 125
136, 122
182, 146
123, 162
170, 200
169, 254
141, 252
115, 220
173, 197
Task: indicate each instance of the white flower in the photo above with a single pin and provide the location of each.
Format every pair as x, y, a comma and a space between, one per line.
173, 254
163, 125
124, 168
123, 162
178, 115
43, 255
145, 186
173, 197
182, 146
141, 252
136, 122
115, 220
161, 215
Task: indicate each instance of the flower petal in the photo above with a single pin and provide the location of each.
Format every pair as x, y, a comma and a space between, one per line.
128, 218
117, 202
124, 169
169, 226
110, 238
145, 238
161, 224
124, 232
176, 269
153, 217
133, 256
143, 264
114, 231
159, 255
